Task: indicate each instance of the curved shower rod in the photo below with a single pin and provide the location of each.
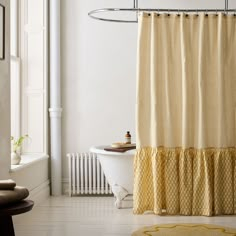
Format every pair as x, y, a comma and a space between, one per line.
94, 14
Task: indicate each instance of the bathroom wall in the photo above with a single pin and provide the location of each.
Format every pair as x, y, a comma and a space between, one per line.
98, 72
5, 101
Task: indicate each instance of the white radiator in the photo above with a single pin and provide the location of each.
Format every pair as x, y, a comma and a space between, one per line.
86, 175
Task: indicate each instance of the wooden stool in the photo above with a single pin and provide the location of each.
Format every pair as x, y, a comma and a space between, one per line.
6, 213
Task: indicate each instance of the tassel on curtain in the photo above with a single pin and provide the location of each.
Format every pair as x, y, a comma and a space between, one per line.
186, 157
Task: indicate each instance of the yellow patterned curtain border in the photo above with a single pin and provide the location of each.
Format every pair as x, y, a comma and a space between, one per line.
185, 181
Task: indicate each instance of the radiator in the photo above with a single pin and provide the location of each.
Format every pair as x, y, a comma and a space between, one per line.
86, 175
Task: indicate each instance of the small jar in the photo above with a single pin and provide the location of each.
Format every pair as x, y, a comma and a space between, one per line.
128, 138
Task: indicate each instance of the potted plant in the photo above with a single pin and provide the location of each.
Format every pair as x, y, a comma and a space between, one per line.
16, 146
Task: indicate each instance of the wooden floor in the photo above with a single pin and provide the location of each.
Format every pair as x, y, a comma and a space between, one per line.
94, 216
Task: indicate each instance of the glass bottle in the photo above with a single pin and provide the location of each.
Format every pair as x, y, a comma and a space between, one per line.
128, 138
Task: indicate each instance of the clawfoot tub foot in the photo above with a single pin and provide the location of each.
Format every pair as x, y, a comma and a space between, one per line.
118, 204
120, 193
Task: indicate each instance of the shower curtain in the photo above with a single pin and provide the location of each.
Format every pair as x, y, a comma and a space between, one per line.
186, 95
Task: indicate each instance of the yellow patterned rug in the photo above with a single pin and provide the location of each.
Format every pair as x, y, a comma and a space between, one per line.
185, 230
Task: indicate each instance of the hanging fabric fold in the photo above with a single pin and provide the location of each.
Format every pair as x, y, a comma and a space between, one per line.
185, 114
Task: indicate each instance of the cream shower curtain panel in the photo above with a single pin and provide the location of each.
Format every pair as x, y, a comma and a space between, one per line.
186, 95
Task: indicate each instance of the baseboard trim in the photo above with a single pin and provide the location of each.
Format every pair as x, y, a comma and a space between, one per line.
40, 193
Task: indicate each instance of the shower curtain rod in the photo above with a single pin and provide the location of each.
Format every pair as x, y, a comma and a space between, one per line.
138, 10
93, 14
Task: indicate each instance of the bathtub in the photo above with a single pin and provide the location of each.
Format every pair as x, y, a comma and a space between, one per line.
118, 170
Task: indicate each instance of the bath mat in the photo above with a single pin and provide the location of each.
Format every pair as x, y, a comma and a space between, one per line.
185, 230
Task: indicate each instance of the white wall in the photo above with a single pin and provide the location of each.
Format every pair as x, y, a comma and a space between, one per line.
5, 101
98, 72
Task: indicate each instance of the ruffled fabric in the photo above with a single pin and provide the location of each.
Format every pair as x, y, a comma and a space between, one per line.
185, 181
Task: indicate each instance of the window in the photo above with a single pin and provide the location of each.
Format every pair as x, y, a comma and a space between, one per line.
29, 73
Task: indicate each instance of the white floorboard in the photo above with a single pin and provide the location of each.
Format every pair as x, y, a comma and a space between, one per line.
95, 216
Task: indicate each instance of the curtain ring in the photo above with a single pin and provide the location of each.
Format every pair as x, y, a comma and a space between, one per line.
186, 13
206, 13
197, 12
178, 13
168, 12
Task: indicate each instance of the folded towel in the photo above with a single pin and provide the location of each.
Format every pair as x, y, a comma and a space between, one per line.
8, 184
12, 196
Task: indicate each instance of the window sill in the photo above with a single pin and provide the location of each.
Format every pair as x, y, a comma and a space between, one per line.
27, 161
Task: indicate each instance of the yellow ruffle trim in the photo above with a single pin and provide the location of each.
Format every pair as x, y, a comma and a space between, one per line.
185, 181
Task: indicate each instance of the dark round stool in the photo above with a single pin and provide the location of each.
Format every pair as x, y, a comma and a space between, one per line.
6, 213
